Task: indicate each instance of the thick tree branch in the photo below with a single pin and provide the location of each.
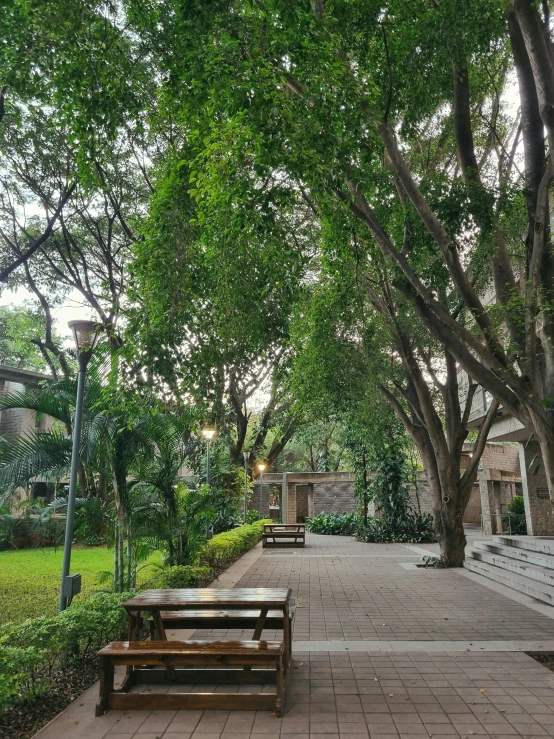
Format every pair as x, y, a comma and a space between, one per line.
42, 239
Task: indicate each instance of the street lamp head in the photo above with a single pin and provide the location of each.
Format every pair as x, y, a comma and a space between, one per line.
208, 434
246, 454
261, 466
85, 335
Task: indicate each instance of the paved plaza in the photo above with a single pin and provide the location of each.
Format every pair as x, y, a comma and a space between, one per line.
382, 650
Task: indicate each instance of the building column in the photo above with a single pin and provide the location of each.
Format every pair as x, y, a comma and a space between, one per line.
284, 499
487, 506
291, 503
538, 508
497, 496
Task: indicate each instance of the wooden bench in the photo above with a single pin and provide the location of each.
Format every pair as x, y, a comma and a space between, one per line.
220, 620
279, 535
213, 657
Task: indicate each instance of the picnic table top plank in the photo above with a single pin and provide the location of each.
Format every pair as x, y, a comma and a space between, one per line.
208, 598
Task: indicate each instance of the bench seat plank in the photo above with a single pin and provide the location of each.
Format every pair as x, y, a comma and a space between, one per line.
164, 649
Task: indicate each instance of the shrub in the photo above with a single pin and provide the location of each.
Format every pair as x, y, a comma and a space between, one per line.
414, 528
517, 505
252, 516
30, 651
229, 545
91, 521
334, 523
182, 576
217, 553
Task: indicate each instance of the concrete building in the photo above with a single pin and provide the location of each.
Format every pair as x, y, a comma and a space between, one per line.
19, 421
506, 428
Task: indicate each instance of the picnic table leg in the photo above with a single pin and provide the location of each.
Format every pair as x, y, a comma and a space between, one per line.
159, 633
260, 623
159, 630
133, 634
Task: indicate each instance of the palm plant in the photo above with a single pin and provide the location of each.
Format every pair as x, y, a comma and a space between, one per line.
157, 472
147, 453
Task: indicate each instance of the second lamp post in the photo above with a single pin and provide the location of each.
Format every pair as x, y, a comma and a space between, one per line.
246, 454
261, 467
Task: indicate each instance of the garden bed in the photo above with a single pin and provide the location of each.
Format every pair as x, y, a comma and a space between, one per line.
24, 719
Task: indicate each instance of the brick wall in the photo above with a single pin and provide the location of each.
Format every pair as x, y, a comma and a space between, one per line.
334, 497
269, 489
420, 494
499, 457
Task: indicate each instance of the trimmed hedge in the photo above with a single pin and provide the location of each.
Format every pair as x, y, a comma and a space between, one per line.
182, 576
226, 547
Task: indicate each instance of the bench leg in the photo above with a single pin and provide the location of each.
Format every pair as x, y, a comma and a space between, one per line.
106, 685
281, 687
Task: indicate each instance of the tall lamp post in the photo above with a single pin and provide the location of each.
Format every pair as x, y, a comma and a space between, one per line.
208, 435
261, 468
246, 454
85, 335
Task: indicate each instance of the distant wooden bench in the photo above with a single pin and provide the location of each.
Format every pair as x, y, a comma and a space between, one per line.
213, 657
220, 620
281, 535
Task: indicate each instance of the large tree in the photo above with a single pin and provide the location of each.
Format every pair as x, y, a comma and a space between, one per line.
211, 305
400, 112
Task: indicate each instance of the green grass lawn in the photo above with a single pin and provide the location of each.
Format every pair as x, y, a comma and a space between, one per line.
30, 579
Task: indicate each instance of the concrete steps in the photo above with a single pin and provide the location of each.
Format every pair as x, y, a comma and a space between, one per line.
541, 544
525, 556
525, 564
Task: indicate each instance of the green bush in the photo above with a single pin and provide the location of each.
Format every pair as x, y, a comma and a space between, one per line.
334, 523
517, 505
229, 545
182, 576
217, 553
30, 651
413, 529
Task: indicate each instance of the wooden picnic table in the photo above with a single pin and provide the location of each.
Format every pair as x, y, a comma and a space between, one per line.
214, 658
209, 600
275, 534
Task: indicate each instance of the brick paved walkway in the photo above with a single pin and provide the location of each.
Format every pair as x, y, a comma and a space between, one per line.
382, 651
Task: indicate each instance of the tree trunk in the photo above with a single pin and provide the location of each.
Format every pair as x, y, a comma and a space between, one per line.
116, 558
121, 527
450, 529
